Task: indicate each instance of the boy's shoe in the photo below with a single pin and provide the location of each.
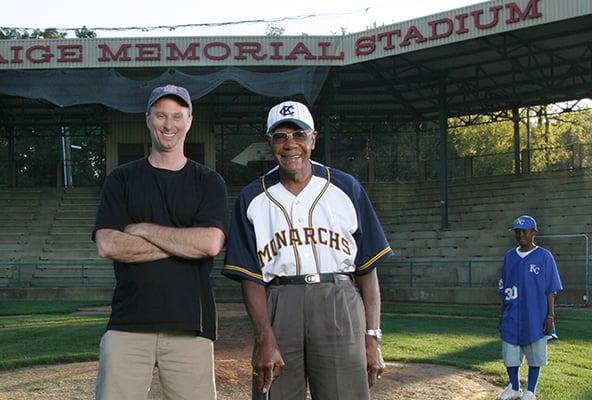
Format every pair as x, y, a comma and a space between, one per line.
510, 394
529, 396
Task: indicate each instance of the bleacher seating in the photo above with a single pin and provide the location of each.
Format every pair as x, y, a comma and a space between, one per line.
50, 231
68, 256
480, 213
18, 207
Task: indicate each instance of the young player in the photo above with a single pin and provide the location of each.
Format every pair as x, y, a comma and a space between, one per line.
528, 286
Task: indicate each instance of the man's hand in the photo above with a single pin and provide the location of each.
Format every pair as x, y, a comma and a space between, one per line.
267, 361
374, 360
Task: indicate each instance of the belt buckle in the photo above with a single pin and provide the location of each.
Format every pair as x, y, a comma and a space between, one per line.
312, 278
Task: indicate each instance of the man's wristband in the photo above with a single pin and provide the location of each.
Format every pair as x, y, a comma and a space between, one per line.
550, 316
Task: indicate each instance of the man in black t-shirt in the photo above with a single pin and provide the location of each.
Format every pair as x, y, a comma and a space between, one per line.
161, 220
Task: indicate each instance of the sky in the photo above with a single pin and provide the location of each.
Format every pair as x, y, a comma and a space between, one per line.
332, 16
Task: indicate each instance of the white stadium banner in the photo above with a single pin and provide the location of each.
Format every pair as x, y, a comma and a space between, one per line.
440, 29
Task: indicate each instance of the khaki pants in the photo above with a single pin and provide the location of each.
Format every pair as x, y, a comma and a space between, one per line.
320, 330
127, 360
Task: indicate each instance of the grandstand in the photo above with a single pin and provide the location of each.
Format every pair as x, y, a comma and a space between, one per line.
469, 253
46, 245
382, 101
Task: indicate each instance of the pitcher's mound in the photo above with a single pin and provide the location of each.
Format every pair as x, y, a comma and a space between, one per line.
76, 381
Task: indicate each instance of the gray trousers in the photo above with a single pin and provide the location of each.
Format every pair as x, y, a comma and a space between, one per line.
320, 330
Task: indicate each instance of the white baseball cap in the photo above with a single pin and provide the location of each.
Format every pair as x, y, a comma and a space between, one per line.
289, 111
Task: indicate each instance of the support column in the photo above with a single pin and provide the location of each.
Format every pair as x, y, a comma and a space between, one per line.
12, 168
516, 122
443, 123
526, 159
420, 164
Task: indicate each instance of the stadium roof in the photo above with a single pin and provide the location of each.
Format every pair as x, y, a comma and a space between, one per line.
487, 57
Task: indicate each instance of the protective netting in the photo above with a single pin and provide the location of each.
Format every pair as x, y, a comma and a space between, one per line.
67, 87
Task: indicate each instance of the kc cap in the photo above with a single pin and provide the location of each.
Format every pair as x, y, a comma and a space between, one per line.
170, 90
289, 111
524, 222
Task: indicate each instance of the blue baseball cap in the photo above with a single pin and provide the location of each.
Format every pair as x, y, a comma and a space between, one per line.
170, 90
524, 222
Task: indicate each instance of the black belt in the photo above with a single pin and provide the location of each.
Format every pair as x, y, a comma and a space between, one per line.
310, 279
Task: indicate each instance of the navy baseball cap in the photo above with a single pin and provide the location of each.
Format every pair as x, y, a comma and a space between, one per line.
524, 222
170, 90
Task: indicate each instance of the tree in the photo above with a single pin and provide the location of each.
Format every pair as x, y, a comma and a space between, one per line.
554, 135
84, 32
48, 33
274, 30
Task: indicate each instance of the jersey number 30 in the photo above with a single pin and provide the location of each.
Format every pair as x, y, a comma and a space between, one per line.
511, 293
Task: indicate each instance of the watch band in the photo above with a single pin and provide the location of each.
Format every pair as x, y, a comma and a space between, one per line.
377, 333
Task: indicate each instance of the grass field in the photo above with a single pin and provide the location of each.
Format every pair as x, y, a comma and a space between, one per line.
33, 333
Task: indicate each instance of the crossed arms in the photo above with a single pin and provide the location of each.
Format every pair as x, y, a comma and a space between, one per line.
145, 242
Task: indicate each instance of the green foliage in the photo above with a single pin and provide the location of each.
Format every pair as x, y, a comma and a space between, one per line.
48, 33
550, 132
84, 32
274, 30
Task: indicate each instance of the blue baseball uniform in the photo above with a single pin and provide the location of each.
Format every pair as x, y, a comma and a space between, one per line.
525, 284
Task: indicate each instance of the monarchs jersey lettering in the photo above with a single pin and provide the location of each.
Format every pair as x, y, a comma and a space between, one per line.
330, 226
524, 285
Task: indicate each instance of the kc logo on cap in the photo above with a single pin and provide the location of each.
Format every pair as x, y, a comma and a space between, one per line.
524, 222
290, 111
287, 110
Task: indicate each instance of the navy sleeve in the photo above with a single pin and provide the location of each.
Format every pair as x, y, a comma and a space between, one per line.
241, 251
370, 237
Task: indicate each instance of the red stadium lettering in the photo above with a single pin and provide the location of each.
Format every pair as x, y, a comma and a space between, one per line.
389, 38
70, 53
39, 54
365, 45
300, 49
175, 53
437, 25
148, 52
412, 34
531, 11
122, 53
222, 53
251, 48
494, 21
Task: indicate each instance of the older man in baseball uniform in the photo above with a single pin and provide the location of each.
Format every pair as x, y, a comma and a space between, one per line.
304, 243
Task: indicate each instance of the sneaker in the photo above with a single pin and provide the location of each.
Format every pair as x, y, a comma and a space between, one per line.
510, 394
529, 396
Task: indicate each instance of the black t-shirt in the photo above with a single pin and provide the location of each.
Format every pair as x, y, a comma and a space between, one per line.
173, 293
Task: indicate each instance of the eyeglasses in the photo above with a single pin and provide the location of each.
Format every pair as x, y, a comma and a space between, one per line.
282, 137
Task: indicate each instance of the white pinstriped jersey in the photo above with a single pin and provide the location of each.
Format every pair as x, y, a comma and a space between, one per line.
330, 226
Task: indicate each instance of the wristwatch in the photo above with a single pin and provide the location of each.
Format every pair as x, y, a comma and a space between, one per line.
377, 333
